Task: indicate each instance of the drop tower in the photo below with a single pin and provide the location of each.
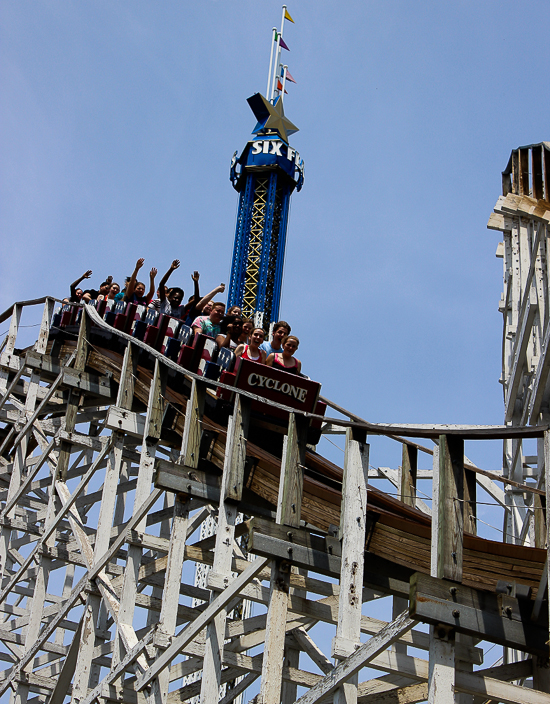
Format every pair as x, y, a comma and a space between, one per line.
265, 175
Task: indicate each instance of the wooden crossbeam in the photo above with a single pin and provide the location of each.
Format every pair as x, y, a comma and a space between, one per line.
361, 657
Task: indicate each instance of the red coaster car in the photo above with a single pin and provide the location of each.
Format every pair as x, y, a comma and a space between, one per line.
287, 389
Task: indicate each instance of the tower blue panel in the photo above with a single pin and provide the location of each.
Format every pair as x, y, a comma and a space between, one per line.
265, 174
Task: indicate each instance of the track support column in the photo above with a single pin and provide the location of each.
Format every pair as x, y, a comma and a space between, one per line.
447, 540
288, 513
353, 518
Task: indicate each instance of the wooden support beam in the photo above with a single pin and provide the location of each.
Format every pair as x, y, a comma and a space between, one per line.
450, 508
408, 475
151, 435
360, 658
233, 478
81, 356
470, 501
83, 670
308, 645
186, 636
353, 521
9, 346
322, 557
231, 491
447, 548
192, 429
289, 508
497, 618
168, 614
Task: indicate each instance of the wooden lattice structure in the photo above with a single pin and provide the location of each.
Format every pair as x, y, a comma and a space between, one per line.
110, 461
522, 214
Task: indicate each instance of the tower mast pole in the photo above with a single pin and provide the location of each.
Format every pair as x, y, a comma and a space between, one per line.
273, 35
285, 67
277, 55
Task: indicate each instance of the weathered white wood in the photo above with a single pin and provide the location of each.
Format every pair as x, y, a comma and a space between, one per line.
83, 669
38, 600
231, 488
489, 688
289, 692
168, 614
192, 429
289, 507
9, 346
81, 355
308, 645
446, 549
441, 677
408, 475
240, 687
145, 477
93, 573
326, 610
361, 657
353, 516
187, 635
435, 514
519, 353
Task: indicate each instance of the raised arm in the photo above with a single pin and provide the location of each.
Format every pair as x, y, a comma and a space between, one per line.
152, 275
209, 296
173, 266
85, 275
132, 283
196, 295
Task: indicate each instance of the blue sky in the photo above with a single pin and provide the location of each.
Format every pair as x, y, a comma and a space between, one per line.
119, 119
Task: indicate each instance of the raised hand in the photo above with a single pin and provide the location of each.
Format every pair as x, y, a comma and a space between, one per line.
87, 274
221, 288
175, 264
153, 273
195, 276
109, 279
140, 262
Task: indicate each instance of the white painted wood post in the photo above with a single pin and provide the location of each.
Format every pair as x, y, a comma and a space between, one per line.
170, 598
289, 509
446, 558
233, 471
10, 346
153, 422
353, 518
83, 670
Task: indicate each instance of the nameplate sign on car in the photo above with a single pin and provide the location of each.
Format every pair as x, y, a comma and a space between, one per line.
289, 389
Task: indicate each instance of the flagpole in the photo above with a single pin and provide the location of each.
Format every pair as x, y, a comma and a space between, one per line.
278, 53
273, 33
284, 83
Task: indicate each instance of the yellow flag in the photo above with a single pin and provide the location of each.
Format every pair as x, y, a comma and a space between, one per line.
288, 17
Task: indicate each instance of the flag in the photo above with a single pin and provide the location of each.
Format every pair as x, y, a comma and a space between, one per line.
280, 86
289, 77
282, 43
288, 17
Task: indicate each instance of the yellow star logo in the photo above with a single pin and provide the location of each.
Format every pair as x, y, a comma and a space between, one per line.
271, 117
